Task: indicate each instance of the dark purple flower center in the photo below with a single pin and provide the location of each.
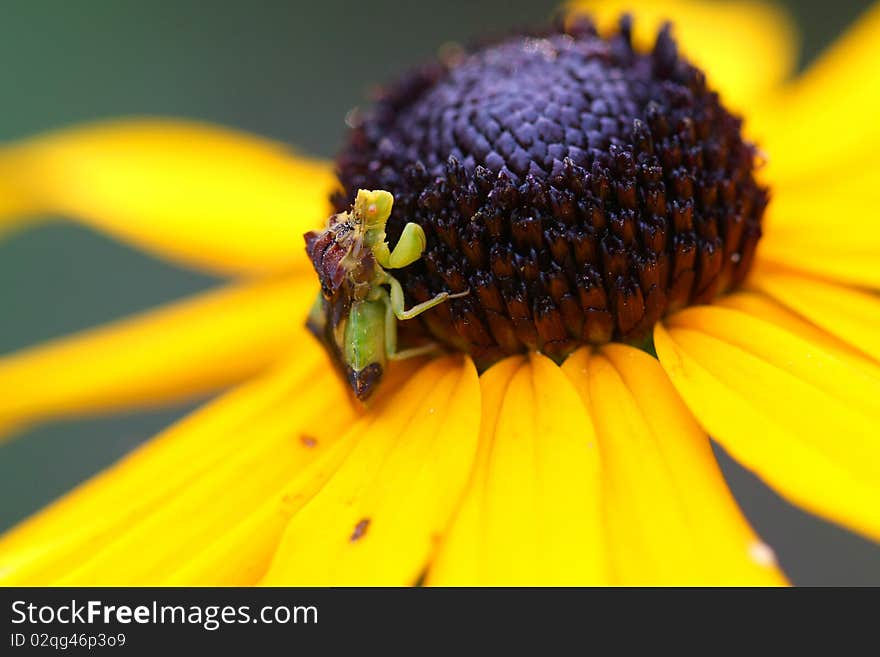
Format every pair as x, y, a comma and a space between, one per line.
580, 189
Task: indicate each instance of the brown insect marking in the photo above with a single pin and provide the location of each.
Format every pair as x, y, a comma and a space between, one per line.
307, 440
360, 529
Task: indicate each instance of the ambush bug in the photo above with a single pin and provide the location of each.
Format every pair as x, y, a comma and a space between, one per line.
356, 312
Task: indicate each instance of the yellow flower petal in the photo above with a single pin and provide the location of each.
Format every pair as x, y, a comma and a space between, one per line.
671, 518
826, 229
244, 549
138, 520
532, 513
724, 39
379, 517
806, 252
804, 420
765, 308
199, 195
847, 314
154, 459
185, 349
826, 119
17, 208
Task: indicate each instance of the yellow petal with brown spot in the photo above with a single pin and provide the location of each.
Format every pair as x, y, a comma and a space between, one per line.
243, 551
185, 489
378, 519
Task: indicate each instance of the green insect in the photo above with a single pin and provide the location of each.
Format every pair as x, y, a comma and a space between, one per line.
356, 314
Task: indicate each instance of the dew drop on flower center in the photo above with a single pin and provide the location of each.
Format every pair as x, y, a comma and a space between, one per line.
545, 191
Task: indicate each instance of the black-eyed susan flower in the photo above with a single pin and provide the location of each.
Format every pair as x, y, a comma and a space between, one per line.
628, 269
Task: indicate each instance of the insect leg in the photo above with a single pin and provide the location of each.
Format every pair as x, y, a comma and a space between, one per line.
397, 301
390, 326
391, 338
429, 348
409, 248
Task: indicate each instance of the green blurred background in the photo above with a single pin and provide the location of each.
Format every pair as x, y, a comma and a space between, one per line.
289, 70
